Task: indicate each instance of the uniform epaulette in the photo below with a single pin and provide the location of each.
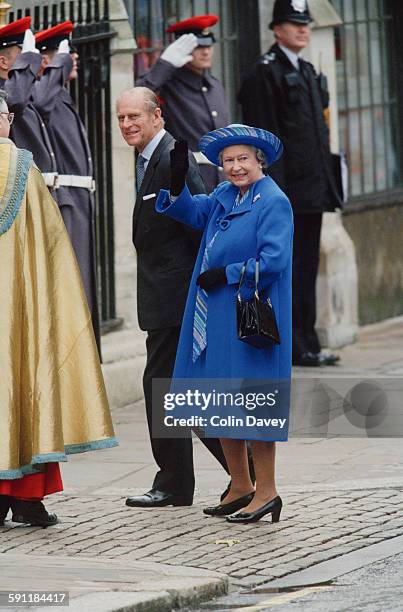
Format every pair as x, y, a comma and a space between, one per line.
267, 58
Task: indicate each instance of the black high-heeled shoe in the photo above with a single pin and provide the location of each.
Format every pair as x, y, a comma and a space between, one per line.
272, 507
234, 506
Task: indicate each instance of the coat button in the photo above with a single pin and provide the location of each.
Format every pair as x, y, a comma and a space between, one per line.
224, 224
204, 89
214, 113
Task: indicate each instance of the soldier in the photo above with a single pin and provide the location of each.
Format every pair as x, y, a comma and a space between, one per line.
283, 94
18, 71
193, 102
72, 151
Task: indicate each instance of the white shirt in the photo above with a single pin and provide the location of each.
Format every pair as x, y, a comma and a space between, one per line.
293, 57
151, 146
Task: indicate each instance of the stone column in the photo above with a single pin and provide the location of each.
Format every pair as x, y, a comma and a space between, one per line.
122, 47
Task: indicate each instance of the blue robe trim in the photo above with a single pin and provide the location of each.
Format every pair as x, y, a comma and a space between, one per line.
10, 202
71, 449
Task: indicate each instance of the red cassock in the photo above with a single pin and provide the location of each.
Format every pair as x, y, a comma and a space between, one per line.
34, 486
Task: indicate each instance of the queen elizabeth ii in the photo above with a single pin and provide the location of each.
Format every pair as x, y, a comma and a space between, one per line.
246, 219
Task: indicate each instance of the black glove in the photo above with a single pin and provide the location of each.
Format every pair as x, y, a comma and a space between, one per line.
212, 278
179, 166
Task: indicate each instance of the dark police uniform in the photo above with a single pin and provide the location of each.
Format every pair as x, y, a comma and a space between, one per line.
290, 102
73, 159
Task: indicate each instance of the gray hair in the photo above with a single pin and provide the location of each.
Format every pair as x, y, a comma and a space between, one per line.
150, 99
260, 155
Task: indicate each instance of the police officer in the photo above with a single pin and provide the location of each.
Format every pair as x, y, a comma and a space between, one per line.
73, 156
20, 63
284, 94
193, 101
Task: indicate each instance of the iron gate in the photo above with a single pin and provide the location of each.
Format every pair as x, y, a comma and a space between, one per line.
91, 92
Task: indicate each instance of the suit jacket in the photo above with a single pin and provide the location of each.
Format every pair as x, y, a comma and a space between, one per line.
166, 250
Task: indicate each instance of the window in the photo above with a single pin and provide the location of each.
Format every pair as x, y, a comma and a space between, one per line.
367, 81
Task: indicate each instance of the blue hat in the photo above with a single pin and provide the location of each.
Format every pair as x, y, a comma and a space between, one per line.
212, 143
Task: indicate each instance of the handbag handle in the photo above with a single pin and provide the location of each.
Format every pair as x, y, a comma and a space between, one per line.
243, 270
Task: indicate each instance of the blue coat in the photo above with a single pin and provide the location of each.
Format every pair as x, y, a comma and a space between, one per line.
261, 227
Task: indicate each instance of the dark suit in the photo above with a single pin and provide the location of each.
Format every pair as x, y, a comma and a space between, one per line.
166, 253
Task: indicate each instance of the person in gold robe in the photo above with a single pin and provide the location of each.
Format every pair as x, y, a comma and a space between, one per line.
52, 395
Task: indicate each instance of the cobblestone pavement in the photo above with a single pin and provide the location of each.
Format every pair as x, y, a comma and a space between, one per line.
314, 528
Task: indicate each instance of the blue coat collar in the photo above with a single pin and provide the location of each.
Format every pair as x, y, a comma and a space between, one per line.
227, 196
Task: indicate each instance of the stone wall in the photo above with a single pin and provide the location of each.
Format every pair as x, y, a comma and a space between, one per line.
377, 236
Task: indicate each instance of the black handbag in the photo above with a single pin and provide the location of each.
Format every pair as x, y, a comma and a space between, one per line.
256, 320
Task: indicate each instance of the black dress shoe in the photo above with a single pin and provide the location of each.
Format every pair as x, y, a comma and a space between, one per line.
32, 512
4, 507
308, 360
272, 507
158, 499
234, 506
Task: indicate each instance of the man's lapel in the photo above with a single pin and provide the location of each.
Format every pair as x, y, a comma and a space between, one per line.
149, 174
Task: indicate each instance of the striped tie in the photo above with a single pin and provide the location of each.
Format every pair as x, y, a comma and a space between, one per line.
140, 171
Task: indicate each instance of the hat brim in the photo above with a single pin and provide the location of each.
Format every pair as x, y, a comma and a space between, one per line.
214, 142
205, 41
298, 20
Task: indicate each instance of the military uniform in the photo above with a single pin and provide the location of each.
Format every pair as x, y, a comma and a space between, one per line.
192, 104
74, 167
28, 130
289, 102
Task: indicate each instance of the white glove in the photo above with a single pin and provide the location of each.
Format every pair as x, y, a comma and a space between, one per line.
64, 46
29, 43
179, 52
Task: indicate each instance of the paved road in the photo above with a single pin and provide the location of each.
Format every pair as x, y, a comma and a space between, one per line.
376, 588
340, 495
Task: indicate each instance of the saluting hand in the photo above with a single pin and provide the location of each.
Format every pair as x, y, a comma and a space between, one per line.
28, 44
64, 46
179, 52
179, 166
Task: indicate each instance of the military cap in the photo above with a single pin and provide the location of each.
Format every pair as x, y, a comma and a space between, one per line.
199, 26
13, 33
49, 40
295, 11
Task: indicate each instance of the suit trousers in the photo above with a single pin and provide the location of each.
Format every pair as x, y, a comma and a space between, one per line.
307, 228
174, 456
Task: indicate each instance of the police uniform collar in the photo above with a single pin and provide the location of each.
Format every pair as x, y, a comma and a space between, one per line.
280, 55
